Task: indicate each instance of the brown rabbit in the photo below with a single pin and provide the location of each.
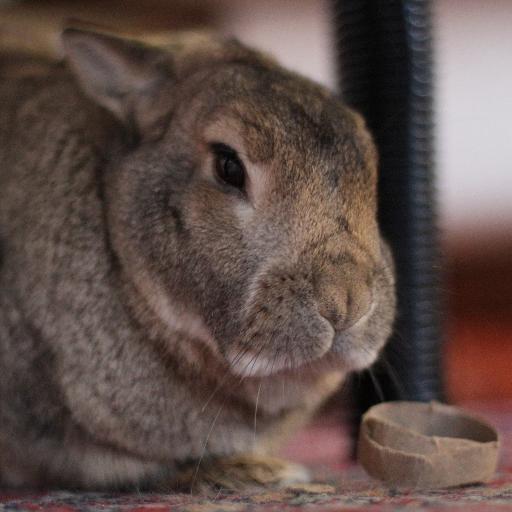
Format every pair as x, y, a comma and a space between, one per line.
190, 263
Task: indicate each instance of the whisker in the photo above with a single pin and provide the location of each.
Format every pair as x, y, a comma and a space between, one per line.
240, 354
376, 383
256, 415
194, 478
252, 361
394, 378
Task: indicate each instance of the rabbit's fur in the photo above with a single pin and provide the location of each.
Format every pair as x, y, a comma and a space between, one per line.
153, 320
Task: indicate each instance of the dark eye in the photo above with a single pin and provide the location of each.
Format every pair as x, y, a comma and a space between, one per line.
228, 166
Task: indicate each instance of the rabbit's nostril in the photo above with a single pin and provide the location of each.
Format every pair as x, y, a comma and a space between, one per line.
334, 317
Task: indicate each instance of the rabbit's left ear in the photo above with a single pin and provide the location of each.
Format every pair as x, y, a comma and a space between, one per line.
113, 71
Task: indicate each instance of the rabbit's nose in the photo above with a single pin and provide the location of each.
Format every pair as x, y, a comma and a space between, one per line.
343, 298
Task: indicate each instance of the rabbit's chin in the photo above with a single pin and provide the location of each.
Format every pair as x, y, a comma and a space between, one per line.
346, 357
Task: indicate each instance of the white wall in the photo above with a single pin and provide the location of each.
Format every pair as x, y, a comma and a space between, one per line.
474, 55
298, 33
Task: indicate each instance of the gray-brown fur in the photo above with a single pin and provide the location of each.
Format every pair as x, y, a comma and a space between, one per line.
132, 283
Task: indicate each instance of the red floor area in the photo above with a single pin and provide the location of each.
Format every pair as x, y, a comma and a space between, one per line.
341, 485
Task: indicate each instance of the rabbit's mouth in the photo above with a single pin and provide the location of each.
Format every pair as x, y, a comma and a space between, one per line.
344, 351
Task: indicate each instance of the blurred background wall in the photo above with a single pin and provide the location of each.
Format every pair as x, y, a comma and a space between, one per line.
473, 43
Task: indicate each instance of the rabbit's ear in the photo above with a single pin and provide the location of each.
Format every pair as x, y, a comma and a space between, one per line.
112, 71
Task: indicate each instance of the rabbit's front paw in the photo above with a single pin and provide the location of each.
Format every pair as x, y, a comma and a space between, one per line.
242, 473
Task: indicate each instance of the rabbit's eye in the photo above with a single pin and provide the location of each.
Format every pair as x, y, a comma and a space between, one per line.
228, 166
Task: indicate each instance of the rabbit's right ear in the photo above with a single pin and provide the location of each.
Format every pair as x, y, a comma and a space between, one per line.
113, 71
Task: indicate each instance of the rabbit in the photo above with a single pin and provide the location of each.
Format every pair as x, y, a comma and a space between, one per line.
191, 263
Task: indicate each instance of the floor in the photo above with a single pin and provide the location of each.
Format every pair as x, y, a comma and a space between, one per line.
340, 484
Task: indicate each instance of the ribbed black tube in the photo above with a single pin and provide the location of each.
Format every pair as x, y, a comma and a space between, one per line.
385, 68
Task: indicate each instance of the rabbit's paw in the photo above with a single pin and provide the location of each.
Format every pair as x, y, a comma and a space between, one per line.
242, 473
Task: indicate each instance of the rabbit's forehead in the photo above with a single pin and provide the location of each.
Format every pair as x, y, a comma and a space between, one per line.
274, 112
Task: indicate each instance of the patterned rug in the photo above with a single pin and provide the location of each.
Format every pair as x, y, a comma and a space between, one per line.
340, 484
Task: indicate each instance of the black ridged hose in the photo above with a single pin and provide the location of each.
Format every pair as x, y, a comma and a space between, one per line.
385, 68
